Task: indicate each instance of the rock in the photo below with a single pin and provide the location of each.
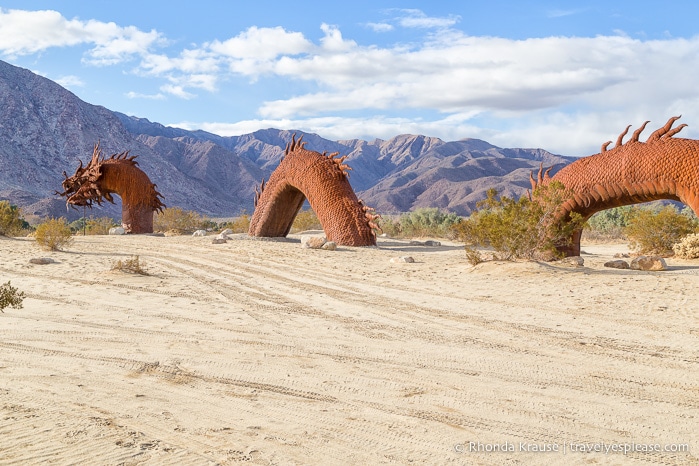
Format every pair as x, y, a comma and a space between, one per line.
117, 231
573, 261
432, 243
648, 263
329, 246
617, 264
226, 232
199, 233
312, 242
403, 259
416, 243
222, 236
218, 240
621, 254
42, 260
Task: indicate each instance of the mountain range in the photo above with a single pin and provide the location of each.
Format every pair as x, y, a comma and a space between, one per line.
46, 129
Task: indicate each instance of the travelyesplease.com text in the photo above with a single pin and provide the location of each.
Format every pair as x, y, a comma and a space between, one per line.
570, 447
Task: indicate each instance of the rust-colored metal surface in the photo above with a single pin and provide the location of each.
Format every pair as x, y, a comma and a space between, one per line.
663, 167
118, 174
323, 180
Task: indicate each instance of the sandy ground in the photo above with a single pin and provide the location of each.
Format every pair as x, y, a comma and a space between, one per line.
268, 353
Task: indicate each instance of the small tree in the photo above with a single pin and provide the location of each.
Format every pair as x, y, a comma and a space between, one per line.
655, 232
520, 229
11, 221
54, 234
10, 296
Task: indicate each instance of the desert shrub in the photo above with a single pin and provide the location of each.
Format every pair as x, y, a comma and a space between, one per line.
390, 226
306, 220
688, 212
240, 224
11, 221
608, 225
177, 219
10, 297
687, 247
429, 221
54, 234
132, 265
99, 225
519, 229
93, 225
425, 221
652, 231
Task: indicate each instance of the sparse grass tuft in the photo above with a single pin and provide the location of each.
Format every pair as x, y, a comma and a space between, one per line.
132, 265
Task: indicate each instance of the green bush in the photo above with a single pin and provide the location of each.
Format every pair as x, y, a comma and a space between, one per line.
93, 225
422, 222
519, 229
10, 296
653, 231
428, 222
54, 234
178, 220
306, 220
11, 221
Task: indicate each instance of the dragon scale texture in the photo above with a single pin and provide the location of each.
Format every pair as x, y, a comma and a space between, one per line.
663, 167
323, 180
118, 174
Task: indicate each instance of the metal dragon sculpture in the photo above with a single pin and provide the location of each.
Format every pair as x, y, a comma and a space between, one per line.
663, 167
118, 174
323, 180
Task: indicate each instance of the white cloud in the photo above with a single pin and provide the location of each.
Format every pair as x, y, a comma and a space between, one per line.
70, 81
566, 94
380, 27
27, 32
412, 18
138, 95
261, 44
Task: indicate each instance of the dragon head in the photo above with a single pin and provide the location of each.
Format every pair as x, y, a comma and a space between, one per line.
82, 189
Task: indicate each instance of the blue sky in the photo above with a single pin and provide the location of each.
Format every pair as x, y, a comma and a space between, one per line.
563, 76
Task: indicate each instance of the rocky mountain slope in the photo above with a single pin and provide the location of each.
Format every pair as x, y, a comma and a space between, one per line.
45, 129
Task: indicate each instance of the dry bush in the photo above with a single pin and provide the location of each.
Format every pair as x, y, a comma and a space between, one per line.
240, 224
54, 234
10, 296
11, 221
687, 247
653, 231
177, 219
519, 229
132, 265
306, 220
99, 225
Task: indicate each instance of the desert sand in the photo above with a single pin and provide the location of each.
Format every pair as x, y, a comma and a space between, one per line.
264, 352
